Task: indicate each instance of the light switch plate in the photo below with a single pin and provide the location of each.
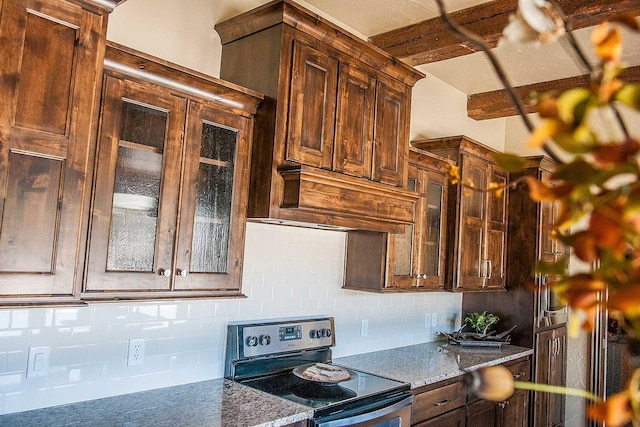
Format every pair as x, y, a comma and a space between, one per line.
38, 362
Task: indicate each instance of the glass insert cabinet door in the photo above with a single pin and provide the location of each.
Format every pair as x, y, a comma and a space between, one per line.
210, 242
136, 192
164, 194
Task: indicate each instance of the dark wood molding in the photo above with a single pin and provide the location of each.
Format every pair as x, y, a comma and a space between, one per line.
495, 104
431, 41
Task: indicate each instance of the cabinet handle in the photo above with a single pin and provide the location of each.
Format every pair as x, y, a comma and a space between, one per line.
488, 269
503, 404
482, 270
442, 402
183, 273
519, 375
165, 273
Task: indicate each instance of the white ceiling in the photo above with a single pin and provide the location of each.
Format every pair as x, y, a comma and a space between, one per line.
470, 73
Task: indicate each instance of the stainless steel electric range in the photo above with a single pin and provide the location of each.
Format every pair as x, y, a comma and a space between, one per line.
273, 355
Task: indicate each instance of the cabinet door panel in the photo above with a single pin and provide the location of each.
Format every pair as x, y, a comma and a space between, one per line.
482, 413
455, 418
48, 45
550, 369
472, 264
515, 411
354, 124
433, 231
33, 191
136, 193
495, 256
390, 141
312, 106
52, 55
211, 239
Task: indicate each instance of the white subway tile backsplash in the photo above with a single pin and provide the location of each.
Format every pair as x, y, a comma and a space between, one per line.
72, 316
14, 361
5, 318
288, 272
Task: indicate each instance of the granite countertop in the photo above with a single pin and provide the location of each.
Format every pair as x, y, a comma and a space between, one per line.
428, 363
213, 403
222, 402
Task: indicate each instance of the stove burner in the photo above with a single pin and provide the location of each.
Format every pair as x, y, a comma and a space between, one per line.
326, 393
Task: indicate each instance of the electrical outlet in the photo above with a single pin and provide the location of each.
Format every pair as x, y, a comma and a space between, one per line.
136, 352
364, 328
434, 320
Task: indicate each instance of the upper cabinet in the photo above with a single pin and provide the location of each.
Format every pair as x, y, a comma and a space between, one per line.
50, 73
331, 145
415, 259
170, 197
478, 238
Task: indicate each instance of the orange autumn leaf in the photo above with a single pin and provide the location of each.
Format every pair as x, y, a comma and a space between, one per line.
615, 411
607, 42
539, 191
627, 19
585, 247
581, 291
605, 226
625, 300
608, 88
611, 154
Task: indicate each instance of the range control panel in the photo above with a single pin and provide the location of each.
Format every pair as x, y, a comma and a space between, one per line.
264, 339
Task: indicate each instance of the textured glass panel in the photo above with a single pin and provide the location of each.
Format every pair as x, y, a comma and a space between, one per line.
403, 252
434, 229
143, 125
475, 204
498, 210
132, 239
213, 200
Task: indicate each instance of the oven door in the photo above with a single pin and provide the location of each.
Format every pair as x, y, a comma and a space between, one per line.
391, 412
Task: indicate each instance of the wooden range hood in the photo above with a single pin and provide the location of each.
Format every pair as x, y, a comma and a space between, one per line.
330, 145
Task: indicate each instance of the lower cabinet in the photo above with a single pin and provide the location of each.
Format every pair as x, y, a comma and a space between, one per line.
551, 357
512, 412
449, 403
455, 418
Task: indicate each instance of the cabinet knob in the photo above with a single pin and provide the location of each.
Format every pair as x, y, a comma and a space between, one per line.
183, 273
518, 375
165, 272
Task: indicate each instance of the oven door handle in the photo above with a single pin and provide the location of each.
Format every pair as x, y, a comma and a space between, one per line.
361, 418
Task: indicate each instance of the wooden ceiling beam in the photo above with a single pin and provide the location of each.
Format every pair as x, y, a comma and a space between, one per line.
496, 104
431, 41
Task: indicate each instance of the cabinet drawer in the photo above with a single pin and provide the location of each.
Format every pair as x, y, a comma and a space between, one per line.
438, 401
521, 370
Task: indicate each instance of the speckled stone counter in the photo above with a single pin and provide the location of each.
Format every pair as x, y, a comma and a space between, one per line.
208, 403
428, 363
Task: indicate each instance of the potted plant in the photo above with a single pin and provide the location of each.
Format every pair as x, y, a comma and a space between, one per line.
481, 322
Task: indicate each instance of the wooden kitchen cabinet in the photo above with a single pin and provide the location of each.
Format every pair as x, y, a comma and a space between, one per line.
332, 135
414, 260
52, 55
170, 197
539, 315
550, 368
512, 412
478, 239
455, 418
450, 403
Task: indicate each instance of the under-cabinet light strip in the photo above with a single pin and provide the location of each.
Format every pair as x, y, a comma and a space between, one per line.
115, 66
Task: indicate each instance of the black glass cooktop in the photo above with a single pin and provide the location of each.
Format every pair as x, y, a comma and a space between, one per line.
316, 395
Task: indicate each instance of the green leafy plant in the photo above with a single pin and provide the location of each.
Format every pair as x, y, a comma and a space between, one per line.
481, 322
